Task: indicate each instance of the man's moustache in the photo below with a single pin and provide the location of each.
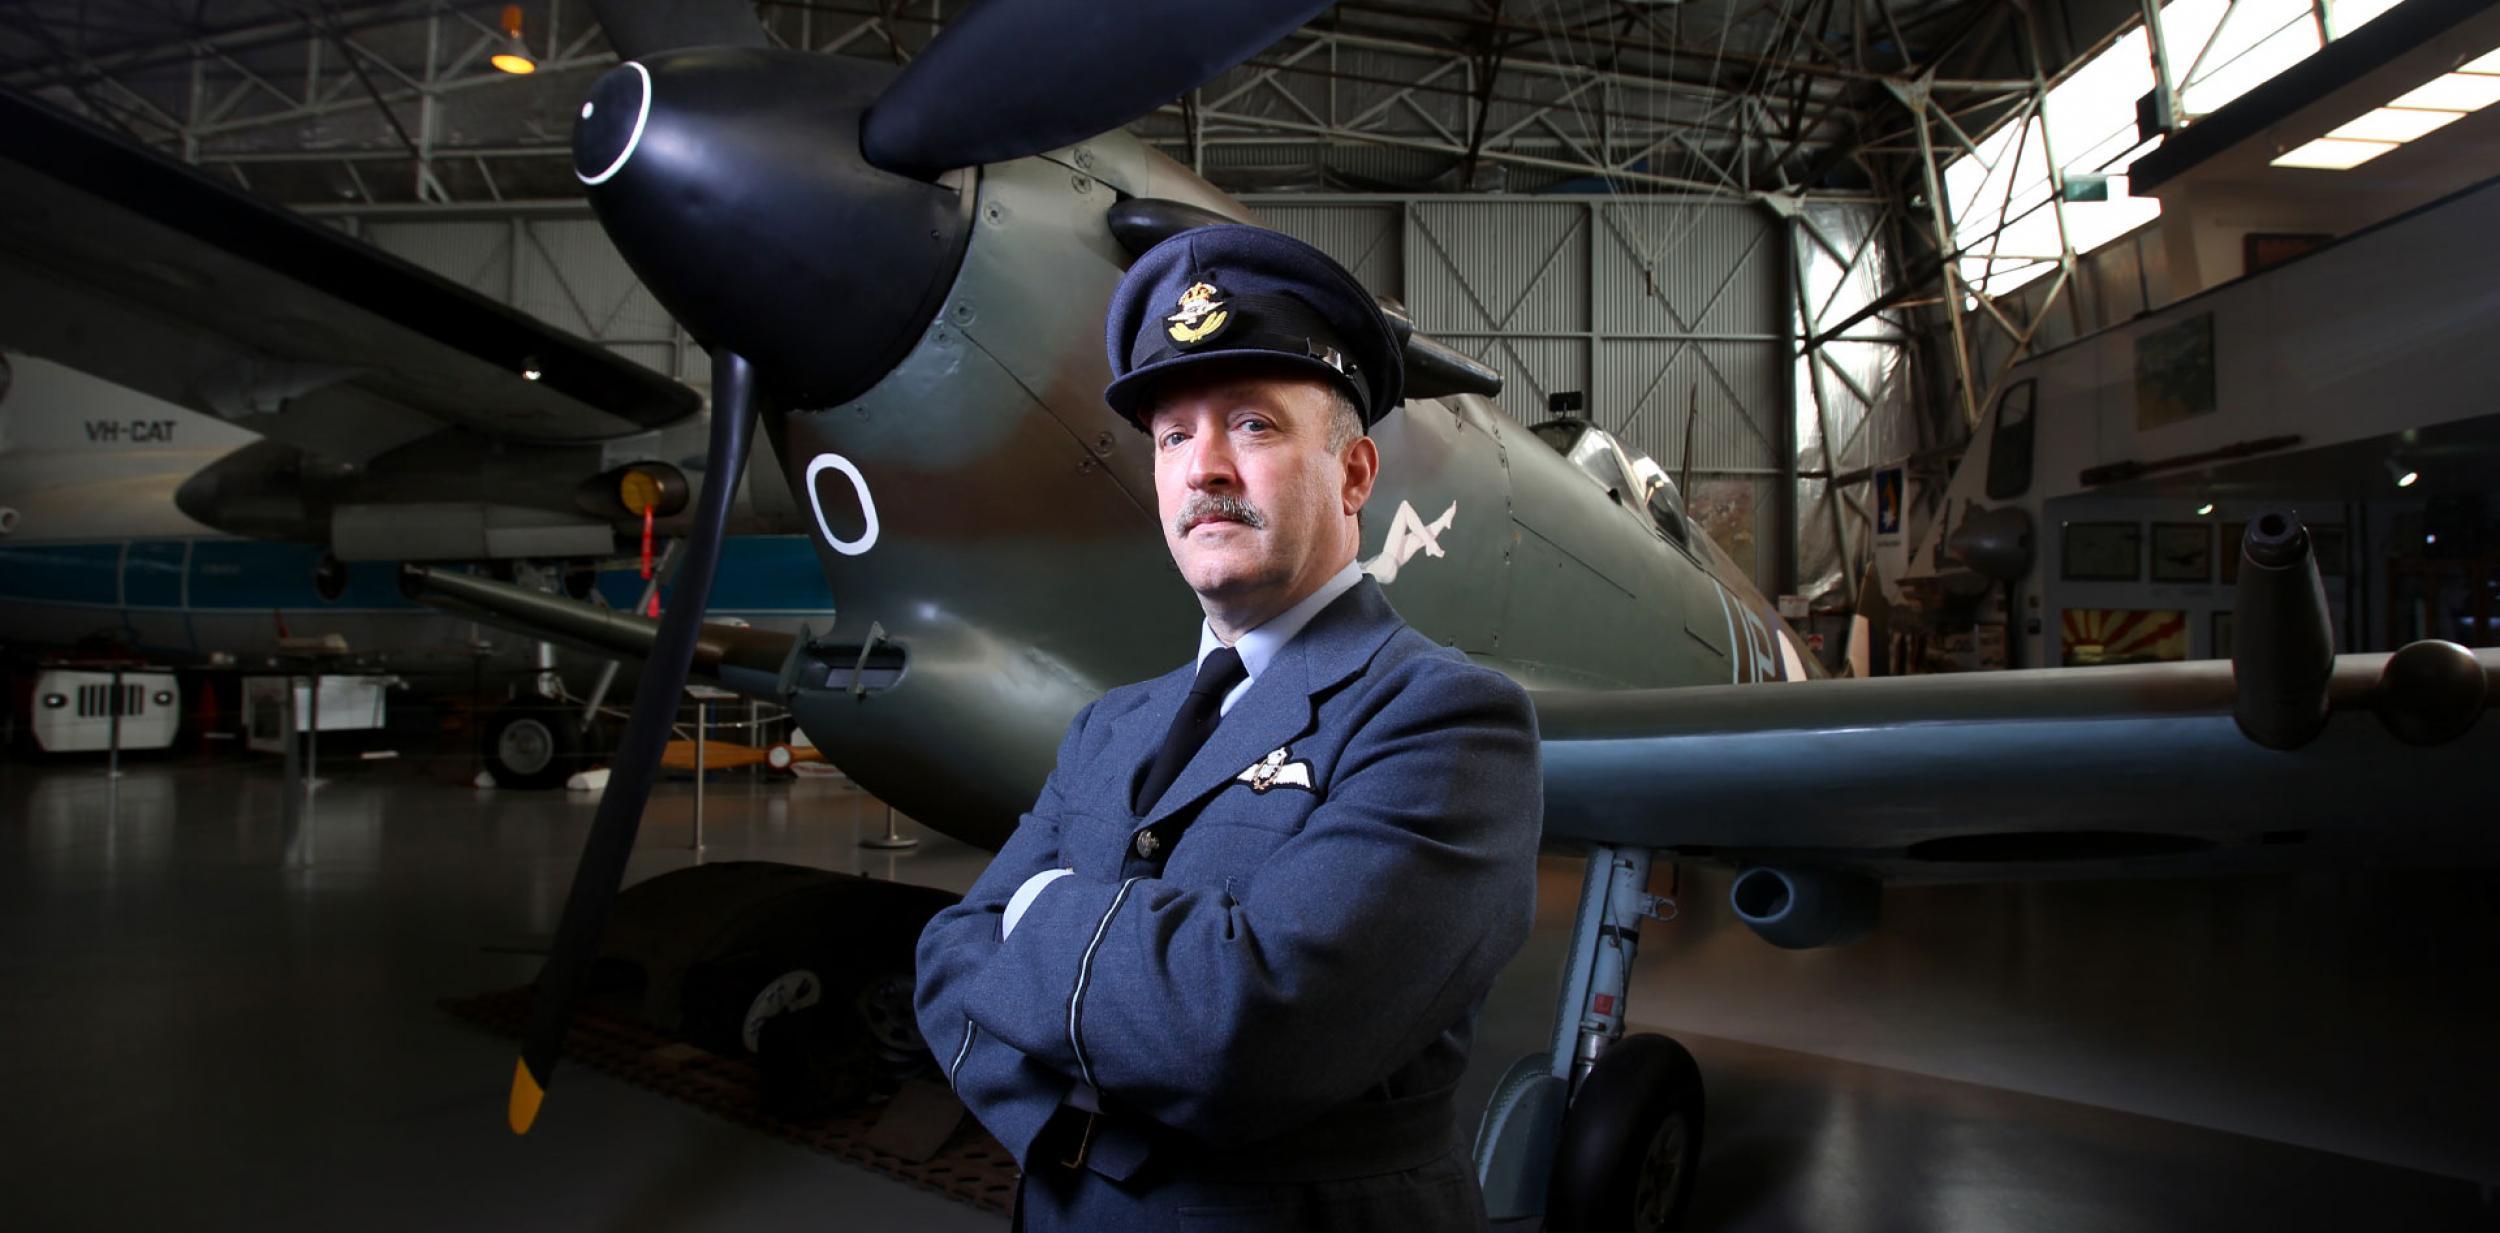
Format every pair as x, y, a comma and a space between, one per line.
1206, 507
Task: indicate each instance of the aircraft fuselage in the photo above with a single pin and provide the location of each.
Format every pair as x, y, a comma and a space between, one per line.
981, 509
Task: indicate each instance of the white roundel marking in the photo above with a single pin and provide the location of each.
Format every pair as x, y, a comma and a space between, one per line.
633, 140
867, 505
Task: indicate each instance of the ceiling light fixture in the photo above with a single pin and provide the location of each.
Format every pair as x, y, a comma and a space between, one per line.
2405, 477
2416, 113
2206, 510
2452, 92
2333, 154
514, 56
2397, 124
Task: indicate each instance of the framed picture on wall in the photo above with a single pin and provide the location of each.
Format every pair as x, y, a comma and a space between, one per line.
2093, 636
2174, 372
2264, 250
2103, 552
2183, 552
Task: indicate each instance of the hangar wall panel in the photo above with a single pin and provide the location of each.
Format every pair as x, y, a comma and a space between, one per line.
1650, 310
1363, 238
562, 270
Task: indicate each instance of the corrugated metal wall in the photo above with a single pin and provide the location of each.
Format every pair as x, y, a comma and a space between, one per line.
1651, 310
561, 270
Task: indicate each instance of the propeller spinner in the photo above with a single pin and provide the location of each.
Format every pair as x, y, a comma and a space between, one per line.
732, 182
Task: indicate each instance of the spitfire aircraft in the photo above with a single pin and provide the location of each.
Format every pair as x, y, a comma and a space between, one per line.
901, 274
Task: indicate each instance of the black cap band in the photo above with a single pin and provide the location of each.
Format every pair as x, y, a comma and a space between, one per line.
1255, 344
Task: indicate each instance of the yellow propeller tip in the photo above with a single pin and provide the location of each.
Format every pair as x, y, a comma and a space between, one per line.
526, 1097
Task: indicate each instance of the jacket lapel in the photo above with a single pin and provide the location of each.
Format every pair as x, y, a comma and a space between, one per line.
1277, 709
1137, 735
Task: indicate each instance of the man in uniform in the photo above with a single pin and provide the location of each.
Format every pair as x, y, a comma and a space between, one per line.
1226, 972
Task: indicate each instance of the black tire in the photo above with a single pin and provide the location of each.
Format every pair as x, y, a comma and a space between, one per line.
531, 747
1631, 1143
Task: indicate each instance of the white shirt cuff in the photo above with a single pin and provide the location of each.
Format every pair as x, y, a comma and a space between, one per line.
1024, 897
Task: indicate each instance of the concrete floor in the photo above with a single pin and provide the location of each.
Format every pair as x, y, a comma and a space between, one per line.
213, 1019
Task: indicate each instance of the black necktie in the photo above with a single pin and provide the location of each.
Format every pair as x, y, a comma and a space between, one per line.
1217, 674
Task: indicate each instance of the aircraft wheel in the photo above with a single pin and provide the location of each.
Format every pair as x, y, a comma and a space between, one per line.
531, 747
1631, 1143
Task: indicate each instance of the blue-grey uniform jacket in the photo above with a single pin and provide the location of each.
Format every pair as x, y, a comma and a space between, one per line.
1279, 986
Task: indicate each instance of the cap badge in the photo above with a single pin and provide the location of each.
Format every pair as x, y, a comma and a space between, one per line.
1201, 316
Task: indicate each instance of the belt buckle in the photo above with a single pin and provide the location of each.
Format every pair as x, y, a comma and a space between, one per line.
1084, 1141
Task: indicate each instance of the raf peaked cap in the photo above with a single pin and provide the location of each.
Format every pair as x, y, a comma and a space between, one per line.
1234, 292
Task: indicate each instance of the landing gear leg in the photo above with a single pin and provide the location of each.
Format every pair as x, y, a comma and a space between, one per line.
1618, 1119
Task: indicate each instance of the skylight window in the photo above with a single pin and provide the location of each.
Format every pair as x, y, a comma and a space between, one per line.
2003, 220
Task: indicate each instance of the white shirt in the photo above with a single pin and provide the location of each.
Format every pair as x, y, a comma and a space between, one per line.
1257, 649
1259, 646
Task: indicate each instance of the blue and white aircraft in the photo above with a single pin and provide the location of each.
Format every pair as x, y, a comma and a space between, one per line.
111, 541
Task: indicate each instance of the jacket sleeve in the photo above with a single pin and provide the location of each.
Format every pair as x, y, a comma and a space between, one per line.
957, 942
1236, 1013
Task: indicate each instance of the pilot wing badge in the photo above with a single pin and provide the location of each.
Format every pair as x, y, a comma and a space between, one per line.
1201, 316
1273, 771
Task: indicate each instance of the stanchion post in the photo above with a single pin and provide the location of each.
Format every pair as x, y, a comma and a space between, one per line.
702, 724
113, 759
312, 732
290, 809
893, 839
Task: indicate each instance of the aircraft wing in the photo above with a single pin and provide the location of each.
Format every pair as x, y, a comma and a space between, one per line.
2121, 770
133, 267
753, 662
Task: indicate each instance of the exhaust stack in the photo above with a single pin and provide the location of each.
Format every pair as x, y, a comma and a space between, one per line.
1801, 909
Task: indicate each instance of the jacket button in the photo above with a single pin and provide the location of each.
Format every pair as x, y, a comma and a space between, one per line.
1147, 843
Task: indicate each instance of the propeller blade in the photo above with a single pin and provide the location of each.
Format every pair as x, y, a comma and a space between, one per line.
638, 28
1010, 78
638, 756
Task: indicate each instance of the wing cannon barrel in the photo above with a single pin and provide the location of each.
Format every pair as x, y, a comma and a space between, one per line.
2283, 653
746, 660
